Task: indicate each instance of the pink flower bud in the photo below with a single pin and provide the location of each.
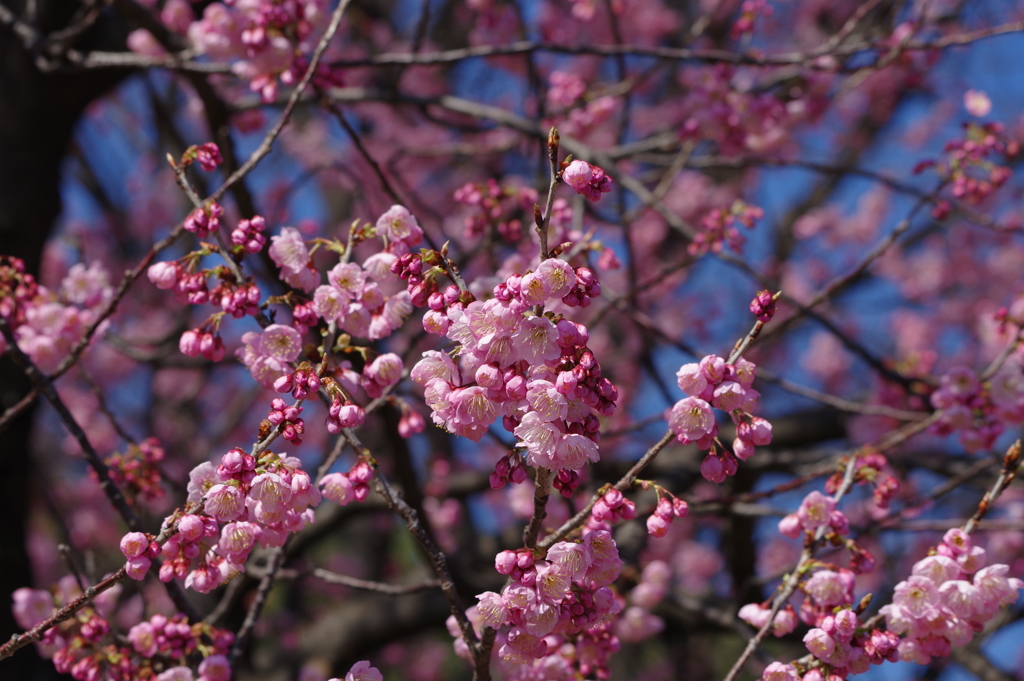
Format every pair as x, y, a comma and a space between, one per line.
711, 469
505, 561
138, 566
164, 275
134, 544
763, 306
790, 526
190, 527
657, 526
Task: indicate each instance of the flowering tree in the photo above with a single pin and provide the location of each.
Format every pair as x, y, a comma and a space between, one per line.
352, 351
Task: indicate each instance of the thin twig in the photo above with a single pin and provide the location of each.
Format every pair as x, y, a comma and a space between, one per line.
622, 485
376, 587
95, 461
37, 632
541, 493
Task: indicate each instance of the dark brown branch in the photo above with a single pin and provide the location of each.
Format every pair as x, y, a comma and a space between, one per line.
37, 632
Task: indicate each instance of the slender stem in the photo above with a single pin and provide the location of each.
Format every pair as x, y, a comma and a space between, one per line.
377, 587
543, 220
37, 632
623, 484
791, 583
109, 487
541, 492
275, 559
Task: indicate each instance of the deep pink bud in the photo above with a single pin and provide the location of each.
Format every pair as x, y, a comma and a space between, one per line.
763, 306
505, 561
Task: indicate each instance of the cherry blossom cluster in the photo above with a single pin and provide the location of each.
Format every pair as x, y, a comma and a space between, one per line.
588, 180
266, 42
718, 228
949, 597
757, 614
548, 601
836, 638
232, 506
360, 299
816, 511
88, 648
534, 370
978, 410
576, 118
739, 119
498, 207
973, 175
714, 384
872, 468
47, 324
136, 472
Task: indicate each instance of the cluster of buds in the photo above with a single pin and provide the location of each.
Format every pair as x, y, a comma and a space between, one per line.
975, 410
763, 306
566, 482
191, 286
343, 488
237, 301
973, 176
207, 155
204, 220
17, 289
718, 228
410, 422
300, 383
343, 414
611, 509
588, 180
495, 206
199, 343
668, 509
136, 472
304, 317
410, 268
509, 468
286, 418
249, 234
871, 469
587, 287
